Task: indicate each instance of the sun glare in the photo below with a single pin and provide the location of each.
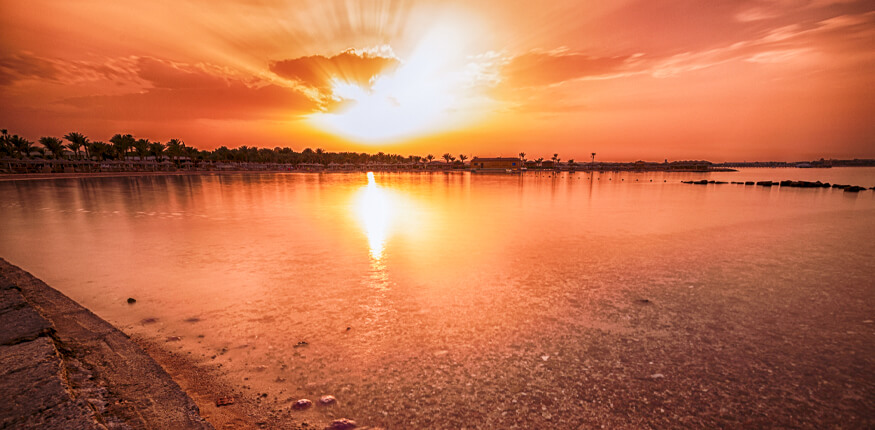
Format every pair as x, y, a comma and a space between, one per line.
428, 92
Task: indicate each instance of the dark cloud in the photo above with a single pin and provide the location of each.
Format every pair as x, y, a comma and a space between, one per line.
318, 71
25, 66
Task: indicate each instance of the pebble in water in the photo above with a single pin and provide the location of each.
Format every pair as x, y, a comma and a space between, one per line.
342, 424
302, 404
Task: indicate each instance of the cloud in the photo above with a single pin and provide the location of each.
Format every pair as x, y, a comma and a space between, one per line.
539, 68
184, 92
23, 66
351, 66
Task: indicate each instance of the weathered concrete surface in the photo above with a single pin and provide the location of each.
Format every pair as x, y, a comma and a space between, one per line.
64, 367
21, 325
34, 391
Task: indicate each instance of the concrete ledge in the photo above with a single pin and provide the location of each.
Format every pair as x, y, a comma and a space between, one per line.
67, 368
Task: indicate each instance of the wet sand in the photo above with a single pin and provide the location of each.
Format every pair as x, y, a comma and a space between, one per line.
681, 357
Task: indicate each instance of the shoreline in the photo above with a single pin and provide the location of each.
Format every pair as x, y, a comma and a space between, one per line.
98, 377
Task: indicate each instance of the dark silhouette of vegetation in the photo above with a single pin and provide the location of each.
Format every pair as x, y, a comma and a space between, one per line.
126, 147
53, 145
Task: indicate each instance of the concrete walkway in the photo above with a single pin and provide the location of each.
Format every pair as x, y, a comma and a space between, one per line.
62, 367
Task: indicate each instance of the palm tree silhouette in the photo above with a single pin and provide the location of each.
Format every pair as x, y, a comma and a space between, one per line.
174, 149
54, 145
157, 149
463, 157
447, 157
142, 148
523, 157
21, 145
77, 141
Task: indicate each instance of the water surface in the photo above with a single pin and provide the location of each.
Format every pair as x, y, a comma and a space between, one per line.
433, 300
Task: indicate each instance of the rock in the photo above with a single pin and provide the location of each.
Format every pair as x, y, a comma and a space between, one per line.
302, 404
131, 300
749, 183
224, 401
766, 183
327, 400
657, 376
342, 424
301, 343
643, 301
21, 325
854, 189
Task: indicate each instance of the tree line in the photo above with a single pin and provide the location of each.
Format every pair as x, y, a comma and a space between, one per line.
76, 146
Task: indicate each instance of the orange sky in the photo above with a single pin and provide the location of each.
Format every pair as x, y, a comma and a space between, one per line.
635, 79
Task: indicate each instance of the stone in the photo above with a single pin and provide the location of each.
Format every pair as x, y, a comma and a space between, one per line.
21, 325
302, 404
224, 401
35, 395
342, 424
10, 299
131, 300
327, 400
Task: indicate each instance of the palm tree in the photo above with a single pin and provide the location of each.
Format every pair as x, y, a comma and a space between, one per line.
462, 158
121, 144
77, 141
429, 157
447, 157
556, 161
174, 148
156, 149
540, 161
22, 145
142, 148
5, 145
593, 158
101, 150
54, 145
523, 157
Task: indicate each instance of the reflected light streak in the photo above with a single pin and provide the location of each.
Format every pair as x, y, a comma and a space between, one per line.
375, 210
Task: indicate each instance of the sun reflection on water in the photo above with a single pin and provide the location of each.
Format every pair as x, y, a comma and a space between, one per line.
376, 210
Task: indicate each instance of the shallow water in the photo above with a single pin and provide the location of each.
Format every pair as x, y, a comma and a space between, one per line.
432, 300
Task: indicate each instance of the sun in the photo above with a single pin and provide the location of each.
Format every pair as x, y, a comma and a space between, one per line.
429, 92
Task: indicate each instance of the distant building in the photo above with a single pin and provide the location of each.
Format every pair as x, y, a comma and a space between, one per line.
697, 165
496, 163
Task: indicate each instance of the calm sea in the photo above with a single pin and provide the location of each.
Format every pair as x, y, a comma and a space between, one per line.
432, 300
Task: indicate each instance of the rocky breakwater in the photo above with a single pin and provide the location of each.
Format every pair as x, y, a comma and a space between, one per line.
787, 184
62, 367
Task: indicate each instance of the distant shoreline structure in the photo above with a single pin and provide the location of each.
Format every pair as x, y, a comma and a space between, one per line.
16, 166
125, 153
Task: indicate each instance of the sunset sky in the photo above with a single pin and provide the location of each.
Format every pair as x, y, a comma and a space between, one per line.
634, 79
